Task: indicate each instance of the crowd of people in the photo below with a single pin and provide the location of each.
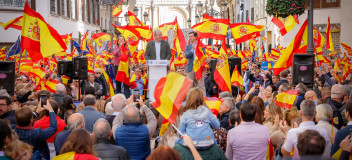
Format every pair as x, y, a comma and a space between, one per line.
38, 124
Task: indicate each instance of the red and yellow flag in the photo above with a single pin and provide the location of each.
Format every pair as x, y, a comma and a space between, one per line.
206, 17
145, 32
100, 38
222, 71
347, 69
329, 44
38, 72
2, 54
244, 65
242, 32
268, 57
275, 53
213, 104
84, 42
117, 10
286, 99
50, 85
213, 28
337, 65
131, 35
133, 20
286, 57
270, 151
66, 38
179, 41
164, 28
164, 126
38, 38
199, 60
319, 57
347, 48
285, 24
236, 78
169, 94
65, 79
122, 74
75, 156
14, 23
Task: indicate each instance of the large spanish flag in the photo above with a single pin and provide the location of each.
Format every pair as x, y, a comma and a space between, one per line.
14, 23
286, 99
100, 38
236, 78
38, 38
169, 94
164, 28
50, 85
131, 35
329, 44
285, 24
213, 104
133, 20
122, 74
75, 156
179, 42
117, 10
145, 32
213, 28
286, 57
206, 17
242, 32
222, 70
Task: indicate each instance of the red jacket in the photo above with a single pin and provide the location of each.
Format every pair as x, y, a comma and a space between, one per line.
44, 123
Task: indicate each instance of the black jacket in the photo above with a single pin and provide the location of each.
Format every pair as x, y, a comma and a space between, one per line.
101, 80
336, 114
224, 120
107, 151
277, 84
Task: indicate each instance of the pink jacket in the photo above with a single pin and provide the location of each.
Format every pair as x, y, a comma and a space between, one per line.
117, 54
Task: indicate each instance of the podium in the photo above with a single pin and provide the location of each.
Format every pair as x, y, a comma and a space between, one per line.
157, 70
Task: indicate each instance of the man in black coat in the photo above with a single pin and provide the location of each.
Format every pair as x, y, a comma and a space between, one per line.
102, 133
283, 78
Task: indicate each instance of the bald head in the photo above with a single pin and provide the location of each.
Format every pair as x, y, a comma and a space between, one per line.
157, 35
60, 88
102, 129
131, 114
311, 95
118, 102
75, 121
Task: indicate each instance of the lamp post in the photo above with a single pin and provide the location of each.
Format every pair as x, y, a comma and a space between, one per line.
145, 16
189, 23
223, 8
310, 27
211, 7
135, 11
199, 8
197, 18
110, 3
126, 17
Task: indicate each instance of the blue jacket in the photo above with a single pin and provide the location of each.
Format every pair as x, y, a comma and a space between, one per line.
340, 135
37, 137
197, 124
90, 117
189, 54
60, 140
134, 137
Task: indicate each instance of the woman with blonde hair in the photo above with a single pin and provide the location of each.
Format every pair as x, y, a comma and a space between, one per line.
100, 104
79, 145
19, 150
272, 115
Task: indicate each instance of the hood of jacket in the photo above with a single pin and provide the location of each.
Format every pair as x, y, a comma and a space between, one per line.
200, 113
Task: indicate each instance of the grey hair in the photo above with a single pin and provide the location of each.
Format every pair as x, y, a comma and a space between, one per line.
3, 92
97, 70
324, 112
131, 113
77, 123
157, 30
60, 88
302, 89
89, 100
225, 94
337, 91
102, 128
118, 102
308, 109
228, 102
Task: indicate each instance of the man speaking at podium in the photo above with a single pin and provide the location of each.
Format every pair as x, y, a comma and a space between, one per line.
158, 49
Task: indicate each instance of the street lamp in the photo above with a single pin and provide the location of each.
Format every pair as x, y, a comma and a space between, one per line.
223, 8
145, 15
199, 7
126, 17
189, 23
135, 10
211, 2
197, 18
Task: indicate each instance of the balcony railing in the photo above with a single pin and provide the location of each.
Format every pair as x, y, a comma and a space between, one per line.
13, 4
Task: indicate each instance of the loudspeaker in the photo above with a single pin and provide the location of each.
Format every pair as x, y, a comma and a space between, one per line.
80, 69
303, 69
65, 68
233, 61
7, 76
212, 66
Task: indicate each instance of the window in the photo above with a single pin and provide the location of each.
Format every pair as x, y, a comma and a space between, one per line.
63, 7
13, 4
53, 6
91, 11
73, 9
86, 11
80, 10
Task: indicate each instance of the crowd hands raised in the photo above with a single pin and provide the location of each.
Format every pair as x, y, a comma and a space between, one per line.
248, 125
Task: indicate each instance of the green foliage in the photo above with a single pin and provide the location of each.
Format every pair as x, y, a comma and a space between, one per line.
284, 8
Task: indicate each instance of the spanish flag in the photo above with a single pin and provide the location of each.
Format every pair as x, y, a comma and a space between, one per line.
38, 38
347, 69
242, 32
206, 17
275, 53
199, 60
84, 42
133, 20
50, 85
244, 65
38, 72
145, 32
169, 94
236, 78
122, 74
286, 99
268, 57
285, 59
164, 126
347, 48
222, 71
319, 57
285, 24
66, 38
65, 79
319, 39
213, 28
131, 35
213, 104
270, 151
2, 54
117, 10
75, 156
14, 23
164, 28
329, 44
179, 41
100, 38
337, 65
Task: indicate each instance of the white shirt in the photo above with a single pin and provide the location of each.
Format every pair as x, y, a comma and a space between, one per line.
91, 84
292, 136
157, 50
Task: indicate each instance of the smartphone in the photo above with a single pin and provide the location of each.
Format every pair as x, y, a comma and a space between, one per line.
135, 95
350, 135
43, 98
256, 84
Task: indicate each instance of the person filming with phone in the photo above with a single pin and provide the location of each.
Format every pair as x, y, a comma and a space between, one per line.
255, 80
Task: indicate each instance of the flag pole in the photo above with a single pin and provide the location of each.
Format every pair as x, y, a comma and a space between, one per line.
177, 129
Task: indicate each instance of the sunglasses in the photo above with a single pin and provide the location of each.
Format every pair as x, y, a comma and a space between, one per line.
97, 73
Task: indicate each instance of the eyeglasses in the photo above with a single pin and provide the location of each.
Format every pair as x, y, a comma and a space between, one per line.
97, 73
